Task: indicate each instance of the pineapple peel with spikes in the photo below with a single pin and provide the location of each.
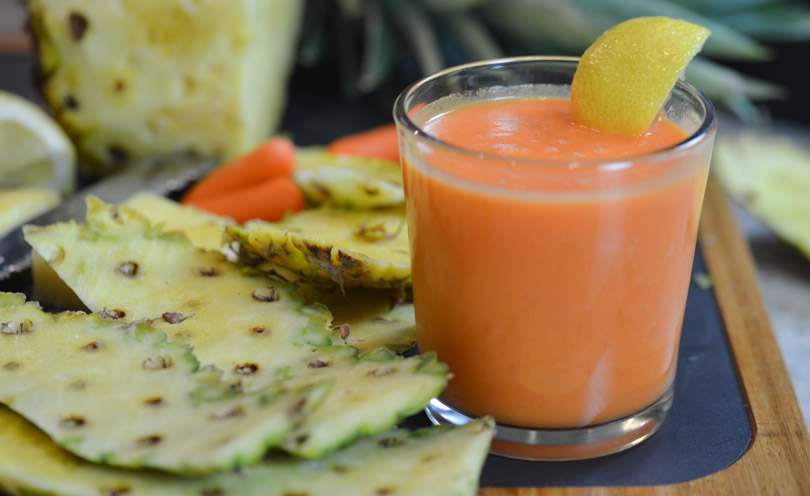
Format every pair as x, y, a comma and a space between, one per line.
367, 319
117, 262
348, 182
326, 245
66, 374
251, 326
432, 462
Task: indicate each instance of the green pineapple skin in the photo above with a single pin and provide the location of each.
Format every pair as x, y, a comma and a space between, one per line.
120, 394
221, 317
437, 461
224, 314
354, 183
128, 80
327, 245
366, 319
403, 385
203, 229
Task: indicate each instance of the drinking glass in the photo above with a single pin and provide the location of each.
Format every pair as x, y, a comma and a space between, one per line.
554, 289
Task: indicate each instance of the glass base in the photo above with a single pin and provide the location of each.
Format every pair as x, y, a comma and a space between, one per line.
565, 444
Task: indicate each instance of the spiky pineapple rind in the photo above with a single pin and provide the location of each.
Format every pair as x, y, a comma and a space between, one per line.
67, 373
436, 461
348, 182
424, 378
299, 355
367, 319
209, 295
347, 248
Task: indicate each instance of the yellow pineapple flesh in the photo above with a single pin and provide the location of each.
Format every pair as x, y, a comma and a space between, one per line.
164, 77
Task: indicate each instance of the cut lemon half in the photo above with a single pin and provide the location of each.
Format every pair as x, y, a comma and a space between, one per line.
625, 76
19, 205
34, 151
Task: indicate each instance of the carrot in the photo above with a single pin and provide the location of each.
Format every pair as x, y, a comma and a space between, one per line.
274, 158
379, 142
268, 200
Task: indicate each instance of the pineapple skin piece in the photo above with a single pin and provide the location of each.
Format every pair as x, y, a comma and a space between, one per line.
49, 289
252, 327
771, 177
120, 394
164, 77
119, 263
375, 318
367, 319
203, 230
438, 461
326, 245
354, 183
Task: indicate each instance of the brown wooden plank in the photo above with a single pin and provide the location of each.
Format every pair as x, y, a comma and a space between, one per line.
16, 44
778, 461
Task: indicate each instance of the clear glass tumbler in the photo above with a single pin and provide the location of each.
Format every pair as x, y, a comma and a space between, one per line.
554, 289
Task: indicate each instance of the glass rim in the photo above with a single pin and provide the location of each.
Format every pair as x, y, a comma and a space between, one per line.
402, 118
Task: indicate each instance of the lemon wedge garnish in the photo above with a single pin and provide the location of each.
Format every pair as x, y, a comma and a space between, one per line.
34, 151
624, 77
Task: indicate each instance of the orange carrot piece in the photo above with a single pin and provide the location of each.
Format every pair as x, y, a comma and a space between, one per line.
274, 158
379, 142
268, 200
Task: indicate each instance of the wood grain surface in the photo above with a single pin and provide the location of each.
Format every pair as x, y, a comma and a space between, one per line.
778, 460
15, 44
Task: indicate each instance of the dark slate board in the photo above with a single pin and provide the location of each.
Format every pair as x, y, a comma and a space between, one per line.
708, 428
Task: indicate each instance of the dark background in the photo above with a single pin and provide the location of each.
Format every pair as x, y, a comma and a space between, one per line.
789, 67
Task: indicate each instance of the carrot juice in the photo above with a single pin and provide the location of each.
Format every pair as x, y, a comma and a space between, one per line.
551, 262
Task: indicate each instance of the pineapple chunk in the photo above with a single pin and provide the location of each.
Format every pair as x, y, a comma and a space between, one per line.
161, 77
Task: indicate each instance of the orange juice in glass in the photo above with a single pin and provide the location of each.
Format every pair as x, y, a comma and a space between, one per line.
551, 262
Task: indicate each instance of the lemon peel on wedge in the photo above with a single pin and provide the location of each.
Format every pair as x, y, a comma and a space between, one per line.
624, 77
34, 150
